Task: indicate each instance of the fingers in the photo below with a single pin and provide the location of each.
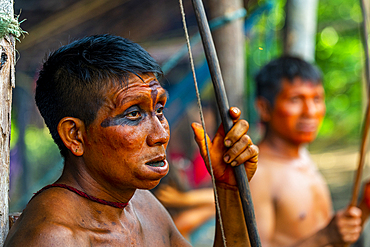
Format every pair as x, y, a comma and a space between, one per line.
234, 148
199, 138
240, 145
249, 157
349, 224
239, 129
251, 166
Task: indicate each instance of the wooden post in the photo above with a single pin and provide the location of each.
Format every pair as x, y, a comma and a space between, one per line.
230, 45
300, 28
7, 51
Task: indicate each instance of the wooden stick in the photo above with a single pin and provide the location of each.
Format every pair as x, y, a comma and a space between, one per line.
223, 107
365, 127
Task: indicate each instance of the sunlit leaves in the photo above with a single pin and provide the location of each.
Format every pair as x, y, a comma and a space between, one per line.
339, 54
329, 36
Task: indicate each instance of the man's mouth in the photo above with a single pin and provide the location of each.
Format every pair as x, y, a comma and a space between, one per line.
307, 127
156, 164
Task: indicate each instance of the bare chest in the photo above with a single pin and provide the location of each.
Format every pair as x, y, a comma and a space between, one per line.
303, 203
126, 237
133, 230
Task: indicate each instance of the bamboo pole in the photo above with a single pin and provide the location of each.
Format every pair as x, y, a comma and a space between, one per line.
230, 46
300, 28
7, 55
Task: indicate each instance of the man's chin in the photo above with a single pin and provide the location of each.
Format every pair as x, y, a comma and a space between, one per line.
150, 185
306, 138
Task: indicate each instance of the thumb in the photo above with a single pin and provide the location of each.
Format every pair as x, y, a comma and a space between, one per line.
199, 138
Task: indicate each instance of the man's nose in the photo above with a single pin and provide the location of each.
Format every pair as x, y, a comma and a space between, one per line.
158, 133
309, 108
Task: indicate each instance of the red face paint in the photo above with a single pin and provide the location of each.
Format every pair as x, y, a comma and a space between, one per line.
298, 111
126, 144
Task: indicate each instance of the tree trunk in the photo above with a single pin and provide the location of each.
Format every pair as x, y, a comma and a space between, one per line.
7, 82
300, 28
229, 43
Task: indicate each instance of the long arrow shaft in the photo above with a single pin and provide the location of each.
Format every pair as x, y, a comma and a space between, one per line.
223, 106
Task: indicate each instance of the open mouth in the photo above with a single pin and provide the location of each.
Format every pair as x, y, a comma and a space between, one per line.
159, 163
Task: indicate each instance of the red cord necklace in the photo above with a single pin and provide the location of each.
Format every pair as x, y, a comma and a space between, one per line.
83, 194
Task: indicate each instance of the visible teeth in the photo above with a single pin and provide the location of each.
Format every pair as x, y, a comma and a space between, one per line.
157, 164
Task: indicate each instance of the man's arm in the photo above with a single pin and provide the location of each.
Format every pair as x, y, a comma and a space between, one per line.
171, 197
261, 189
232, 216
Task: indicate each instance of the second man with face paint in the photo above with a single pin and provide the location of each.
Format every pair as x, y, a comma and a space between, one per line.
292, 201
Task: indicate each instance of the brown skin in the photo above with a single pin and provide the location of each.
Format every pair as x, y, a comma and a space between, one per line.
292, 202
109, 160
199, 206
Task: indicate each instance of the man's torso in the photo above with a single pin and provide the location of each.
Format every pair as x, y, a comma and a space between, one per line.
301, 199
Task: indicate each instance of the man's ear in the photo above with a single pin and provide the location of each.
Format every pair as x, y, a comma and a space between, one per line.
264, 109
71, 132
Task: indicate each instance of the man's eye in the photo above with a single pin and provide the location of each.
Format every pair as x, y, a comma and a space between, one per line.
318, 99
134, 114
294, 99
160, 110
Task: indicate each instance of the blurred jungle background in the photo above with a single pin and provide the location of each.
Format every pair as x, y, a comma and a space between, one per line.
336, 48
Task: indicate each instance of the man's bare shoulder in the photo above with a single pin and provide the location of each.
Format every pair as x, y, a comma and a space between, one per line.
48, 219
43, 234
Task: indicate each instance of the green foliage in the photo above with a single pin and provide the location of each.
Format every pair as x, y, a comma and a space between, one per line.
14, 132
263, 43
339, 53
10, 25
42, 160
39, 145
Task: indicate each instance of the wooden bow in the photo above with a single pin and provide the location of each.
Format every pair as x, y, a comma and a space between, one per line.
223, 106
365, 127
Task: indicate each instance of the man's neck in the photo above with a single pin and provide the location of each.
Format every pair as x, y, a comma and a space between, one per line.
282, 147
79, 178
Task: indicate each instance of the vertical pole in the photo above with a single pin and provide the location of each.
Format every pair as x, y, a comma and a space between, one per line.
300, 28
223, 106
230, 45
7, 54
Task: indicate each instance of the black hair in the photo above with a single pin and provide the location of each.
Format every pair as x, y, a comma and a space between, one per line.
74, 78
269, 78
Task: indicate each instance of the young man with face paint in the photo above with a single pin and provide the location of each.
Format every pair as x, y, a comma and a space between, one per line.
102, 102
292, 202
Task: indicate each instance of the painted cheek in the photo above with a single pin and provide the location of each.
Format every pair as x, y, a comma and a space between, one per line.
126, 140
286, 109
321, 111
167, 128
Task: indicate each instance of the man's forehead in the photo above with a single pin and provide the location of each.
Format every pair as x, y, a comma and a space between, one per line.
138, 87
132, 80
297, 82
145, 77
